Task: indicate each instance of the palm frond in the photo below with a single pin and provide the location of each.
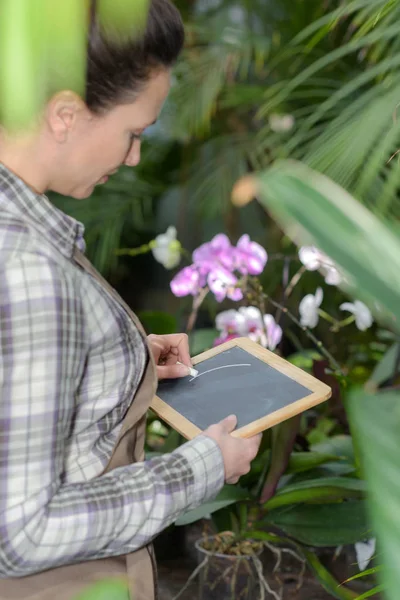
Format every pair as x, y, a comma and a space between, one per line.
219, 163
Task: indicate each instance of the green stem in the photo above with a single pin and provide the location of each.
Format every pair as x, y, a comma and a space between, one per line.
327, 317
258, 289
346, 322
134, 251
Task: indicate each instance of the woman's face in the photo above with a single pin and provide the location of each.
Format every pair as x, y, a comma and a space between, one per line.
93, 147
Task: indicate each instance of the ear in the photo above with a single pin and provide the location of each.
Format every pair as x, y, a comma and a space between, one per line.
63, 113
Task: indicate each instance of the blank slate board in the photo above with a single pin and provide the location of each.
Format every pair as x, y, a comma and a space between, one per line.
242, 378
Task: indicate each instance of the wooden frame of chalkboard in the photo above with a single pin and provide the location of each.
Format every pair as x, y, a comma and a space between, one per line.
315, 392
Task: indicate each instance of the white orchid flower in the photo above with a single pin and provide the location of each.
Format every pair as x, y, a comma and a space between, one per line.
313, 260
361, 312
252, 318
166, 249
230, 321
364, 552
308, 309
248, 321
310, 256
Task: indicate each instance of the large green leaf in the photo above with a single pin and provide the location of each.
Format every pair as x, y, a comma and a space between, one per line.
227, 496
303, 461
43, 47
376, 424
21, 46
324, 489
314, 209
322, 524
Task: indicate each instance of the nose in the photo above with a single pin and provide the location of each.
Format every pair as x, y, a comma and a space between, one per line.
133, 158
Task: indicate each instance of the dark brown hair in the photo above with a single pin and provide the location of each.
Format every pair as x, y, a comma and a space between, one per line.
118, 69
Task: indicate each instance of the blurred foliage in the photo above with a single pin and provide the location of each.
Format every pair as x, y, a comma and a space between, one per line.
43, 50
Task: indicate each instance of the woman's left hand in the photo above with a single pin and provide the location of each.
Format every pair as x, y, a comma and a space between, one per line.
167, 351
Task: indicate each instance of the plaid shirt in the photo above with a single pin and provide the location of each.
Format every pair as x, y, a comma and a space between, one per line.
70, 362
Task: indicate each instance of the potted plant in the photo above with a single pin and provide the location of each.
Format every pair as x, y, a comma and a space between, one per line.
230, 567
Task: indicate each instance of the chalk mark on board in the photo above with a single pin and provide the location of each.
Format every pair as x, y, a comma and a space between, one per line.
217, 368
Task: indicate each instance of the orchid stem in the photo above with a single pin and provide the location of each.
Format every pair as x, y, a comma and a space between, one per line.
307, 331
133, 251
294, 281
327, 317
197, 302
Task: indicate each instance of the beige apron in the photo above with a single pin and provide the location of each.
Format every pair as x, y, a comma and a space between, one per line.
64, 583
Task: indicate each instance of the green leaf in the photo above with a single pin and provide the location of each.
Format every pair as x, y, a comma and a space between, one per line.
322, 524
376, 590
65, 45
338, 445
112, 589
201, 340
304, 201
344, 483
158, 322
375, 422
366, 573
305, 359
42, 51
326, 489
22, 77
325, 578
384, 370
303, 461
227, 496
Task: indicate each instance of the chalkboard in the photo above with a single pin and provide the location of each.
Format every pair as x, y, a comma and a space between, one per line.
241, 378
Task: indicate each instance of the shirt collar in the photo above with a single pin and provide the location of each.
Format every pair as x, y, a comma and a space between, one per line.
17, 198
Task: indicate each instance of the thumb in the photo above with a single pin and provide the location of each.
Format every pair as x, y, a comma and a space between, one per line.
229, 423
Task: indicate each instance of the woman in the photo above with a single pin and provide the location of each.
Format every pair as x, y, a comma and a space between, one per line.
77, 502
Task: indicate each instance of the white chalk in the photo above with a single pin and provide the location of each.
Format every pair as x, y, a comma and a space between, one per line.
192, 372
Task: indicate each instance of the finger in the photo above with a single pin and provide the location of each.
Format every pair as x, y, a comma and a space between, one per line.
172, 371
184, 351
156, 348
175, 346
229, 423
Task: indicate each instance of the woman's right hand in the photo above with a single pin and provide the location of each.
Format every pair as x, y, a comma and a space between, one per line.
238, 453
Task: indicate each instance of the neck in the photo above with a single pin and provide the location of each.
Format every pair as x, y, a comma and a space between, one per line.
23, 158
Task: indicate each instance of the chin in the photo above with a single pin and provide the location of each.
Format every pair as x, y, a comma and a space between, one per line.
83, 195
80, 194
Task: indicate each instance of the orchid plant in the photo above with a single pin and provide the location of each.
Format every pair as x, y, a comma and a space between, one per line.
229, 272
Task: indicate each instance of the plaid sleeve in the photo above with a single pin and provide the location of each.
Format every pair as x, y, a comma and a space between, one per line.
44, 522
